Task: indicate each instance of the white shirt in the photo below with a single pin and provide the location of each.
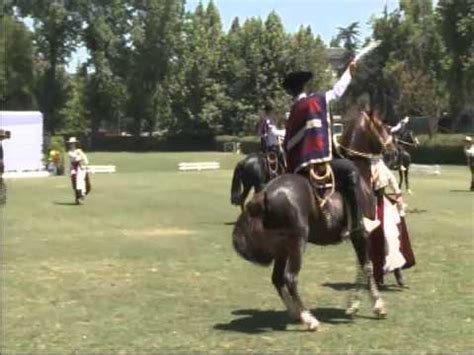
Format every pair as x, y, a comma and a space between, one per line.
340, 87
77, 155
337, 91
469, 151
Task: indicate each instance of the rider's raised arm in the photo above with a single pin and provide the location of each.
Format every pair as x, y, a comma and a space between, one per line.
340, 87
399, 125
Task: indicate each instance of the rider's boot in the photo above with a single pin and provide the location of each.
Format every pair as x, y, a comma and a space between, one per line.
358, 222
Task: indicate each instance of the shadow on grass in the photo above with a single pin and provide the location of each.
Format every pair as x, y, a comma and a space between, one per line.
230, 223
346, 286
254, 321
416, 210
65, 203
467, 190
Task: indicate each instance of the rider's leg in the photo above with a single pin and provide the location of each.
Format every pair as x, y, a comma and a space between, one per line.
347, 181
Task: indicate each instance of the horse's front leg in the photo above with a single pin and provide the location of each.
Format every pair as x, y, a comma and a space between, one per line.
360, 243
293, 268
400, 175
354, 296
407, 183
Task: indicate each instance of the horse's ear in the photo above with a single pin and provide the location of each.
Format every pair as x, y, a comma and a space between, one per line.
256, 205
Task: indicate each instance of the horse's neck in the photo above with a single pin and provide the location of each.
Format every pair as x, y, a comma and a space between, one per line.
361, 138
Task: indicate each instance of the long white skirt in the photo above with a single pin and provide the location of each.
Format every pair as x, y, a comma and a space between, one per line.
393, 257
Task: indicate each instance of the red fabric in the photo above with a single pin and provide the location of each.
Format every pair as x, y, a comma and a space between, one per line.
377, 244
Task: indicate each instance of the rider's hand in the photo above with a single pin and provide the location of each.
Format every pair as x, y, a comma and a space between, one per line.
352, 67
406, 119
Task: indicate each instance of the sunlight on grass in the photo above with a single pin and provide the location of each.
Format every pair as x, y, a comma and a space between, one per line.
147, 265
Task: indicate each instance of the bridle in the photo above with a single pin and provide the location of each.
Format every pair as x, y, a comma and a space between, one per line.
357, 153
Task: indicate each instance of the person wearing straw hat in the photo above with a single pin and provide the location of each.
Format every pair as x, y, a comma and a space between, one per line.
78, 169
469, 151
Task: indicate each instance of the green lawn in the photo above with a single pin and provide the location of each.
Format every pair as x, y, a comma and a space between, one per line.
147, 265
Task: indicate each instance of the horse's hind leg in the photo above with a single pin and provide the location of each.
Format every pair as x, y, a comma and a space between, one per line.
360, 243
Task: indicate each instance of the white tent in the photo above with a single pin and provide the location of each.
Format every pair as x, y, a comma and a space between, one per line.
24, 150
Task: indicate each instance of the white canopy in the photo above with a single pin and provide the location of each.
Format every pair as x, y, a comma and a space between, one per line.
24, 150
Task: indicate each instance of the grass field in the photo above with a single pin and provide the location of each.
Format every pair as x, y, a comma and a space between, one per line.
147, 265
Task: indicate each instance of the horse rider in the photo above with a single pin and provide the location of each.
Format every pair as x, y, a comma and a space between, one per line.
270, 135
469, 151
78, 169
308, 142
396, 131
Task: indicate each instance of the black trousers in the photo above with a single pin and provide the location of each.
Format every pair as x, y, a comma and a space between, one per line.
347, 181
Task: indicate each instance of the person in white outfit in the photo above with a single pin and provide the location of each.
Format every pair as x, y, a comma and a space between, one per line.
469, 151
78, 168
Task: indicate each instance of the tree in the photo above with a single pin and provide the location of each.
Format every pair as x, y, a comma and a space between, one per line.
76, 116
56, 31
17, 79
105, 28
349, 36
456, 25
155, 38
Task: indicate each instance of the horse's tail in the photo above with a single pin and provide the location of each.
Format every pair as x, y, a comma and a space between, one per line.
236, 189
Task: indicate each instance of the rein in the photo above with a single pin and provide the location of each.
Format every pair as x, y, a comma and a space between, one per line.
406, 143
361, 154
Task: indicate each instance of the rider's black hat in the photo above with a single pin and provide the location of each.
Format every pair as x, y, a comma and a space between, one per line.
295, 81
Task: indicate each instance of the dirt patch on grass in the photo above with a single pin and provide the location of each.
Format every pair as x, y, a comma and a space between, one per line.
158, 232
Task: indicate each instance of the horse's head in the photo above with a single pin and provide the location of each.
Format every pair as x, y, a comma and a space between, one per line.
365, 136
408, 138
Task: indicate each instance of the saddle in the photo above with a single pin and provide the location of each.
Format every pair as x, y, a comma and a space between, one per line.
274, 165
323, 184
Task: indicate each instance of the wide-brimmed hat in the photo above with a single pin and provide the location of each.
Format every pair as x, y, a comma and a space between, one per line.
296, 80
468, 139
72, 140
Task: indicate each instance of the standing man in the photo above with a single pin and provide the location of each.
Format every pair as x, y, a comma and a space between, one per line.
3, 188
78, 168
469, 151
308, 141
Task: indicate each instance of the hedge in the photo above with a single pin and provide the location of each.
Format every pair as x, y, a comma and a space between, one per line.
441, 149
186, 142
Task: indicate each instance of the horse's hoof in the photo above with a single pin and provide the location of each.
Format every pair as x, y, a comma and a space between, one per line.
309, 320
379, 309
353, 308
409, 192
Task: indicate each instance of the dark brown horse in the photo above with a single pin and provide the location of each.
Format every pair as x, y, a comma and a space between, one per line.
279, 222
254, 171
400, 159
